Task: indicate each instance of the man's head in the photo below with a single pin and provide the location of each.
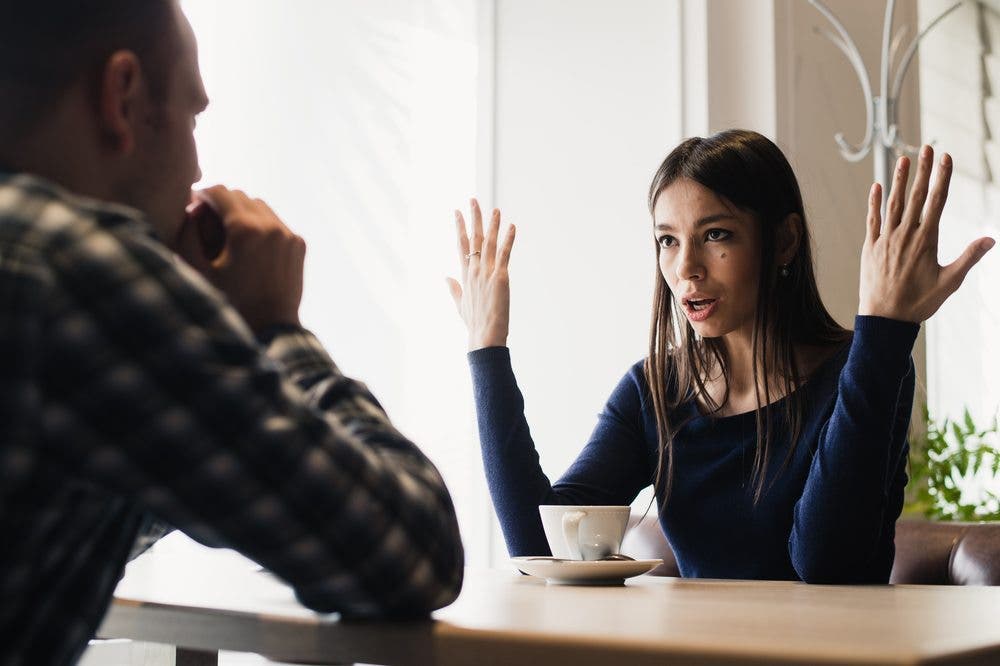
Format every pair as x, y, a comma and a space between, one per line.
101, 96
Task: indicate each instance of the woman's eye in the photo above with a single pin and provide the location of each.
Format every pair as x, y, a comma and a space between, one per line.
667, 241
718, 234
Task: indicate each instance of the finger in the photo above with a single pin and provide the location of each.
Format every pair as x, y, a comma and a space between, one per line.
211, 229
242, 197
300, 246
508, 244
477, 226
264, 207
463, 244
938, 197
222, 200
456, 293
874, 213
267, 218
894, 207
954, 273
490, 244
189, 247
918, 191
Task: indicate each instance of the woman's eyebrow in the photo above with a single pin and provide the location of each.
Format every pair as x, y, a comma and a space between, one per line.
718, 217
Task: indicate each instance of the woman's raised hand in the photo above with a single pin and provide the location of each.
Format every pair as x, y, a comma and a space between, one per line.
900, 275
483, 297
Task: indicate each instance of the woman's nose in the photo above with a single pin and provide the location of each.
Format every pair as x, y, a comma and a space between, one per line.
690, 265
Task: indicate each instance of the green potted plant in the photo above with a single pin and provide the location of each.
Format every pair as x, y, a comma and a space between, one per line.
951, 466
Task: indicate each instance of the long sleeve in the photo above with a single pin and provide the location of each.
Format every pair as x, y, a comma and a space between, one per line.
843, 525
611, 469
155, 390
151, 530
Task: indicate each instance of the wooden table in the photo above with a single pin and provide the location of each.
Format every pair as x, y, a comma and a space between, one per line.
218, 601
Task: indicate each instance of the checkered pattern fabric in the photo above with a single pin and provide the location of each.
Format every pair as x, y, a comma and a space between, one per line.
130, 388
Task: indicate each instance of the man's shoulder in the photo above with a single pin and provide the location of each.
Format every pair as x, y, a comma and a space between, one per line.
38, 213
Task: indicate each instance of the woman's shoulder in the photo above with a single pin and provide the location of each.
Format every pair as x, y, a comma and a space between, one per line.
633, 383
636, 379
816, 359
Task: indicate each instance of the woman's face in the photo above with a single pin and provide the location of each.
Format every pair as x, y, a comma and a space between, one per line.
709, 253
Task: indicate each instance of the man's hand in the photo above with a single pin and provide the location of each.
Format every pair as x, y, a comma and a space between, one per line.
260, 263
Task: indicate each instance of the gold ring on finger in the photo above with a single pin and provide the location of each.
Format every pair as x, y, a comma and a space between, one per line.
472, 254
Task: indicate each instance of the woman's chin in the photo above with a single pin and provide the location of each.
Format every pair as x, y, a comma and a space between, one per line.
710, 329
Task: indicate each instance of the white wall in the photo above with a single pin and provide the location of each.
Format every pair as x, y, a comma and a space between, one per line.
587, 106
728, 66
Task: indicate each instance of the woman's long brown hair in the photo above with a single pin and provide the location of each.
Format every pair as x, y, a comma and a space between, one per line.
749, 172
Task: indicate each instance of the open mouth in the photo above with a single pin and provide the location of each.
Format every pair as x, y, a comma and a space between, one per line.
699, 309
701, 304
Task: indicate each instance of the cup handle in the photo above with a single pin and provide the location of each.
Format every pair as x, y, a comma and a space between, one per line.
571, 532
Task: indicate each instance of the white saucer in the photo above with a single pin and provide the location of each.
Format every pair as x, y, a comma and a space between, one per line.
601, 572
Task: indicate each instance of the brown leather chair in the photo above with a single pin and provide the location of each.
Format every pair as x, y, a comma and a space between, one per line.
947, 553
927, 553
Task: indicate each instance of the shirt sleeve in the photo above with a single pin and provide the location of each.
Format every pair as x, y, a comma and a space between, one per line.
844, 524
156, 390
151, 530
611, 469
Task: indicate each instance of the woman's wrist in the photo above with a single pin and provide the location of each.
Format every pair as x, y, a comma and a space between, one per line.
483, 343
481, 337
887, 312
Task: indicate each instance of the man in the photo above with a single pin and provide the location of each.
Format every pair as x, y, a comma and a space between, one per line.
134, 385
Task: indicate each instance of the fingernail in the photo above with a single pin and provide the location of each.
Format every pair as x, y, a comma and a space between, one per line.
945, 160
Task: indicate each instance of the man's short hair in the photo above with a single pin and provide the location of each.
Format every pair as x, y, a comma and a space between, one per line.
46, 46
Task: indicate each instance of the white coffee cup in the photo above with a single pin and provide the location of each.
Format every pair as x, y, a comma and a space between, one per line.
584, 532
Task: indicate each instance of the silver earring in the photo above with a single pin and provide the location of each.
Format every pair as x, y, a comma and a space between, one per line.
783, 271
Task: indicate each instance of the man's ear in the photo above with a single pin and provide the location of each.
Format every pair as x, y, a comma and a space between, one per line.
788, 237
121, 100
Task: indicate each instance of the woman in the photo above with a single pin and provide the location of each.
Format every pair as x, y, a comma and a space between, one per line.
775, 439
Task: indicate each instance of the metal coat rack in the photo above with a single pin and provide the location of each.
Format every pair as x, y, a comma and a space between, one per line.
881, 129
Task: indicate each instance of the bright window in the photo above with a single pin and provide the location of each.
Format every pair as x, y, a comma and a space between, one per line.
357, 122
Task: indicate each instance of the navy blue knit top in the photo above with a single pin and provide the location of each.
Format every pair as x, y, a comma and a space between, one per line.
828, 516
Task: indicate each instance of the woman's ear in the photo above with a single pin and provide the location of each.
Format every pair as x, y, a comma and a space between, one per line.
788, 238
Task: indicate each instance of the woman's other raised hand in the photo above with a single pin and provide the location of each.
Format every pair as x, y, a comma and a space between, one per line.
483, 296
900, 275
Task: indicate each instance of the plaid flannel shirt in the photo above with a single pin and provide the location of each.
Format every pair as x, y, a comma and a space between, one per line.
130, 388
